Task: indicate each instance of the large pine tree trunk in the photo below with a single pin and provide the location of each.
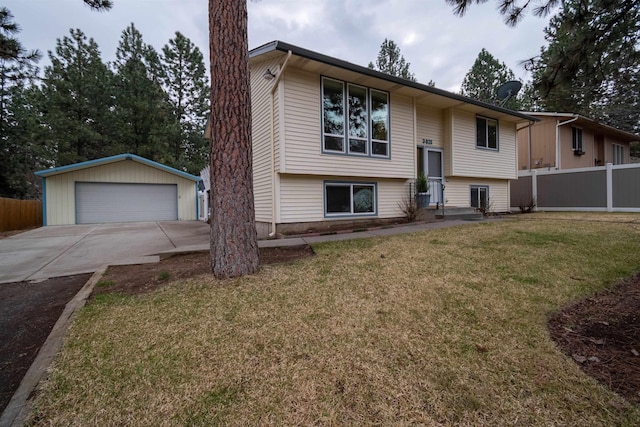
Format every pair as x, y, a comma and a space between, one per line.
234, 245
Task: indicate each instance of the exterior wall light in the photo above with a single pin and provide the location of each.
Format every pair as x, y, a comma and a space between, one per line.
268, 75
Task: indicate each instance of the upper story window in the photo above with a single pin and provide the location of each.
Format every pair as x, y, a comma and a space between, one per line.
576, 140
355, 119
486, 133
618, 154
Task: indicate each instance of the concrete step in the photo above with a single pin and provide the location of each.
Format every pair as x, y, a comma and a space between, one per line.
470, 214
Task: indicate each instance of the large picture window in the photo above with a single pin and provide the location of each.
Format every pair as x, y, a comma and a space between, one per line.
355, 119
349, 198
486, 133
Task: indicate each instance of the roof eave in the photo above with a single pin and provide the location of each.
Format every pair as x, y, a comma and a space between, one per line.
315, 56
112, 159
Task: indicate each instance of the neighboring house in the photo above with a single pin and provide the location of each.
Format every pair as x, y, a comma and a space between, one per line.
122, 188
569, 141
335, 142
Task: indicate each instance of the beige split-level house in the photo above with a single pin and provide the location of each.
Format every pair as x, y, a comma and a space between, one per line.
336, 142
569, 141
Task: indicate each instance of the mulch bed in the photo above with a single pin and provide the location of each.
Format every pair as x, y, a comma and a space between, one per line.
602, 335
28, 312
144, 278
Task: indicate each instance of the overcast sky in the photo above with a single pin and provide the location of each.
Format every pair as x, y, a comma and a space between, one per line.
440, 46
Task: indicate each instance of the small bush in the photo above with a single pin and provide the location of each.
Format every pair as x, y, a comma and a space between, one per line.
527, 207
409, 208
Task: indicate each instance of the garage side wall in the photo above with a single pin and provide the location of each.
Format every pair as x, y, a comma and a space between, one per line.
60, 189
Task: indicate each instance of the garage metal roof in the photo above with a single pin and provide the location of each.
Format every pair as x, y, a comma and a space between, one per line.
118, 158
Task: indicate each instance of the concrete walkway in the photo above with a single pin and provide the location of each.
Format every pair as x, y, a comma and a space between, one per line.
341, 235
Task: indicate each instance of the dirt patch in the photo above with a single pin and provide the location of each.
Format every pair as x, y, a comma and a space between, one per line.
4, 234
137, 279
28, 312
602, 334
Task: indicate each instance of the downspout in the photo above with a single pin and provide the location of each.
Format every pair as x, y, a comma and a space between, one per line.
558, 148
273, 145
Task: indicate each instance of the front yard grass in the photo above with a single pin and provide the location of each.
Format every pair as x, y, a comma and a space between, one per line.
445, 327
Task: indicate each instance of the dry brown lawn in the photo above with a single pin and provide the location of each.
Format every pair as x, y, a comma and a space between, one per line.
445, 327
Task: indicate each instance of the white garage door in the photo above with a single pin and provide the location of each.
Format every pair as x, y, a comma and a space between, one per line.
106, 202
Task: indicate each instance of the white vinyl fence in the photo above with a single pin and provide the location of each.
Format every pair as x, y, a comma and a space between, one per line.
606, 188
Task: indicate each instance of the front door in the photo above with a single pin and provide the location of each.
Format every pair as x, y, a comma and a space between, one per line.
430, 164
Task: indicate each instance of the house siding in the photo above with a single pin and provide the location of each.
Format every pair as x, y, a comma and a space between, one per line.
597, 144
430, 125
467, 160
458, 193
302, 197
60, 189
543, 147
302, 140
262, 105
568, 160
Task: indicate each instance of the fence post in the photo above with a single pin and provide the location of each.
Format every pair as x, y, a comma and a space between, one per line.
609, 187
534, 189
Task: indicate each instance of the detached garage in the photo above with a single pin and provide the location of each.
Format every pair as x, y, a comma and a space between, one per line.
122, 188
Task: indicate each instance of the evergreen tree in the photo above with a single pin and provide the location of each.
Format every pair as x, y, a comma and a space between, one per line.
185, 81
77, 101
485, 77
601, 82
143, 114
17, 69
512, 10
592, 59
390, 61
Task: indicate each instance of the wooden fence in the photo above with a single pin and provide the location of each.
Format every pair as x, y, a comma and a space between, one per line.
20, 214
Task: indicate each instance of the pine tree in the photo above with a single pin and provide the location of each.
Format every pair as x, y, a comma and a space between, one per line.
78, 100
602, 81
143, 114
390, 61
17, 69
592, 57
485, 77
234, 244
185, 81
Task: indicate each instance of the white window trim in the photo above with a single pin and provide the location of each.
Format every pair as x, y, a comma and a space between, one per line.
574, 143
486, 147
350, 184
344, 124
380, 141
477, 188
367, 145
345, 136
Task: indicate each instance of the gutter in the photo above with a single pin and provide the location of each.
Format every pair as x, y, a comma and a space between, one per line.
273, 144
277, 45
558, 150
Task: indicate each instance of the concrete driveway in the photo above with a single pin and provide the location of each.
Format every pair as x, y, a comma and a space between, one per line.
56, 251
